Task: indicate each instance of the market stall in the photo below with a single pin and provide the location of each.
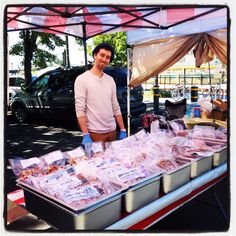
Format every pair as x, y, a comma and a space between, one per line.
134, 166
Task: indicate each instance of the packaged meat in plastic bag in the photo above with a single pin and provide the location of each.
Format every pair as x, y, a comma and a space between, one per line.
75, 155
203, 131
94, 149
167, 164
181, 151
53, 161
155, 126
142, 134
125, 174
58, 180
93, 164
26, 167
182, 141
77, 189
127, 142
177, 125
221, 133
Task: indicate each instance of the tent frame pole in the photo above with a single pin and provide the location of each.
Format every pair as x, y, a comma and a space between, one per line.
128, 88
85, 47
67, 52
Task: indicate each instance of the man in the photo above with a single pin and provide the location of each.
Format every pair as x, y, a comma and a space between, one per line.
96, 104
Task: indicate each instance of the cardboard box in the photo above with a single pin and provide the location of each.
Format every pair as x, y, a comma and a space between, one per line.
219, 115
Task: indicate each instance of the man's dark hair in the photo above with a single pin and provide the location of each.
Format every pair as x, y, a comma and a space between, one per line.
106, 46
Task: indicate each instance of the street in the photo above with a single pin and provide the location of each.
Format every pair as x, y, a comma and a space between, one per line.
41, 137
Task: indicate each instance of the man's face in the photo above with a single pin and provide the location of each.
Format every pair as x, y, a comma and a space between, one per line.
102, 58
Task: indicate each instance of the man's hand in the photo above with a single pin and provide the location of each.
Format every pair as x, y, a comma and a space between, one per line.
122, 134
86, 139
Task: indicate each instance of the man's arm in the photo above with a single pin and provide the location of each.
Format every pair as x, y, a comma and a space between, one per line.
120, 122
83, 124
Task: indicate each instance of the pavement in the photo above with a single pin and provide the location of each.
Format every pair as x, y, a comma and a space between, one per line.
40, 137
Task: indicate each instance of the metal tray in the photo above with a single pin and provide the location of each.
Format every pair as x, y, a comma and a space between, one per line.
141, 194
199, 165
176, 178
98, 216
220, 157
70, 206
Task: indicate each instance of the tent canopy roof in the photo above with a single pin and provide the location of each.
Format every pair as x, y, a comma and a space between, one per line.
86, 21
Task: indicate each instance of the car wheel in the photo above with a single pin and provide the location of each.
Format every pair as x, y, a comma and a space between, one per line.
20, 114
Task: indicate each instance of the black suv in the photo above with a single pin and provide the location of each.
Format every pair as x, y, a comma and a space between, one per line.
52, 95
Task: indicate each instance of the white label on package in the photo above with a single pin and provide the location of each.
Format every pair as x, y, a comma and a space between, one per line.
29, 162
80, 194
129, 175
54, 156
141, 134
76, 153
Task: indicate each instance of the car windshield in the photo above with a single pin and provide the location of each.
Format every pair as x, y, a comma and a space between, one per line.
40, 83
16, 81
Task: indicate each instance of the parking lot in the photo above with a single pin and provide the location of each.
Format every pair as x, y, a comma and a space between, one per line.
40, 137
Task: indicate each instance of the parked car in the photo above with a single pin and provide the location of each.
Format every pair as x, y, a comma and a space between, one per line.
51, 95
14, 86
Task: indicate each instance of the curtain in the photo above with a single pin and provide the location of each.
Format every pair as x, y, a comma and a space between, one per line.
152, 58
211, 44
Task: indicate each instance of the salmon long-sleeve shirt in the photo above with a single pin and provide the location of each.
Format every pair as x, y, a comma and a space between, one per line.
96, 99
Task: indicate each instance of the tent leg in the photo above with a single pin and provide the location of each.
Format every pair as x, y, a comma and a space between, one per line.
85, 47
128, 89
67, 52
156, 96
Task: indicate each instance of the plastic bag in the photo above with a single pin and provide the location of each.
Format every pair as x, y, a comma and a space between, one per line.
53, 161
25, 167
75, 155
94, 149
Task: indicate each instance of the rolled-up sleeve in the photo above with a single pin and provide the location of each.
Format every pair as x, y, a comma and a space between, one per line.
80, 96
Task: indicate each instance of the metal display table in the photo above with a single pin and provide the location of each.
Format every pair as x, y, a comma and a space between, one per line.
152, 213
158, 209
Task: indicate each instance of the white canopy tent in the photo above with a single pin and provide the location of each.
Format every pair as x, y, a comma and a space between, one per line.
154, 50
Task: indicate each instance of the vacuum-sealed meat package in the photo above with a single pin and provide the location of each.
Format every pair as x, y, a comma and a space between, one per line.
53, 161
23, 168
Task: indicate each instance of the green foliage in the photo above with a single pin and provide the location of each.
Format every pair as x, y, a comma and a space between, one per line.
41, 45
79, 41
43, 58
51, 41
118, 41
36, 48
17, 49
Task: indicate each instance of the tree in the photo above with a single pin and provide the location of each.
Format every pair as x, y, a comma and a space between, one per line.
118, 41
29, 48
